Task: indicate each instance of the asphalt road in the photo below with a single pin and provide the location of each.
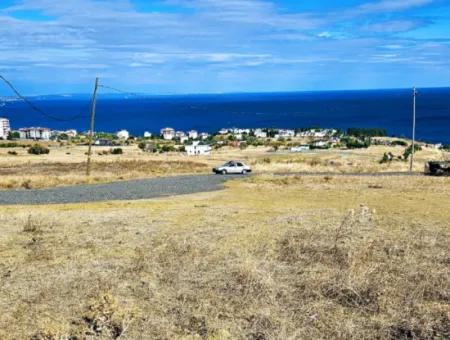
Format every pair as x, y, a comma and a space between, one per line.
139, 189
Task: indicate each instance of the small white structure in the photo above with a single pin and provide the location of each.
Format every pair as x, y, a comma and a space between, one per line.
147, 134
35, 133
321, 143
123, 134
196, 149
240, 131
168, 133
204, 135
184, 139
193, 134
179, 134
4, 128
286, 133
301, 148
259, 133
71, 133
223, 131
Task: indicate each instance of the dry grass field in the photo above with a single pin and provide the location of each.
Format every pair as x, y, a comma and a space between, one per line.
65, 165
267, 258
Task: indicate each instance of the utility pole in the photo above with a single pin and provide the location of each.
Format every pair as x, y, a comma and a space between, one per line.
413, 146
91, 130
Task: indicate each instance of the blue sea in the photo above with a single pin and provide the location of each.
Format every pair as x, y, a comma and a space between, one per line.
389, 109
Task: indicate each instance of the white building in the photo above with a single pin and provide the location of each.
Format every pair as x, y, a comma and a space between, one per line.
286, 133
123, 134
259, 133
147, 134
241, 131
168, 133
179, 134
193, 134
197, 149
71, 133
184, 139
4, 128
204, 135
223, 131
35, 133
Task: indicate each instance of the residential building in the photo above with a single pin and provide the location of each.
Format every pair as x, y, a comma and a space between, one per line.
204, 135
286, 133
35, 133
168, 133
197, 149
223, 131
259, 133
179, 134
4, 128
123, 134
103, 142
184, 139
71, 133
193, 134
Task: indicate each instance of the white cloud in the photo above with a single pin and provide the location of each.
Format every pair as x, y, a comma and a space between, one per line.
391, 5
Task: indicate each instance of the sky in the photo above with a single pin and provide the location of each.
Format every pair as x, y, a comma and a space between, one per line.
218, 46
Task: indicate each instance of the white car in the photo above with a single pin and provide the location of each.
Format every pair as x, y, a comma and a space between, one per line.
232, 167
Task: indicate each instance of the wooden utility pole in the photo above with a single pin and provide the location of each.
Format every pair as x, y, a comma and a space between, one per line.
413, 145
91, 129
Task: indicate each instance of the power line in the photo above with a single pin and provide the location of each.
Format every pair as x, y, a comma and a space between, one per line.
35, 108
123, 92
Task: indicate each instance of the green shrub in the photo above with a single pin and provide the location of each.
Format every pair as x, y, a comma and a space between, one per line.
14, 153
367, 132
9, 145
167, 148
353, 143
399, 142
38, 150
387, 158
116, 151
408, 151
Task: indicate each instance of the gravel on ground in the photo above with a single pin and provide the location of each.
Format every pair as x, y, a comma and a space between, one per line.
126, 190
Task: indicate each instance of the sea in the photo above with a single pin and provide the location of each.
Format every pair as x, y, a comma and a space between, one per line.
137, 113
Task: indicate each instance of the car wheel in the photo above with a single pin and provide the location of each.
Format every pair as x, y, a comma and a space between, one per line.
223, 172
244, 172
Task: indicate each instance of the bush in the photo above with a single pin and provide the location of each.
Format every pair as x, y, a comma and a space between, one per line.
408, 151
366, 132
142, 145
14, 153
117, 151
168, 148
387, 158
353, 143
38, 150
399, 142
9, 145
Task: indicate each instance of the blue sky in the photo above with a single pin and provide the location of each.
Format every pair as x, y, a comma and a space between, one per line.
204, 46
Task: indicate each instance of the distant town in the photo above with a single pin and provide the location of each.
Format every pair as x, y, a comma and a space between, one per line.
195, 142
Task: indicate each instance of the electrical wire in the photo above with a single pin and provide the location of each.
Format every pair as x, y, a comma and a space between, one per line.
123, 92
36, 108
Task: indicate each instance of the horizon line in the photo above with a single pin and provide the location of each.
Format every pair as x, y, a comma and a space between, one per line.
138, 94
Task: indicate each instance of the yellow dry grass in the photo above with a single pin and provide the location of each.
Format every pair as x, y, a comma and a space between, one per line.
65, 164
266, 258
